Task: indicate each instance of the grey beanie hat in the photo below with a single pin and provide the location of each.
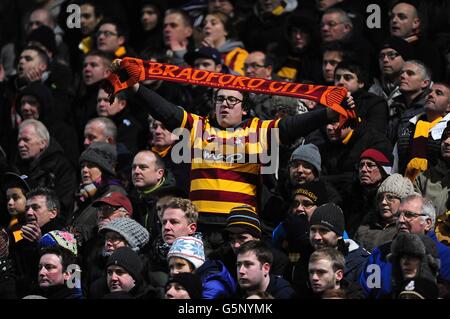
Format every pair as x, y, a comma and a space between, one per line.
308, 153
398, 185
133, 232
102, 154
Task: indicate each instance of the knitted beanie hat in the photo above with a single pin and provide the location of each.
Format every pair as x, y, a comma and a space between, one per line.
134, 233
102, 154
315, 191
308, 153
45, 36
330, 216
129, 260
384, 161
403, 47
243, 219
397, 185
189, 248
59, 238
190, 282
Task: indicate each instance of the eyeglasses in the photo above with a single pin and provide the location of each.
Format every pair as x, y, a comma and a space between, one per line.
105, 33
330, 24
253, 66
408, 215
391, 55
388, 197
231, 100
304, 203
370, 166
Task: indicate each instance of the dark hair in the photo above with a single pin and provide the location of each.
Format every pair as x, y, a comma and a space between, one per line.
187, 20
41, 53
261, 249
261, 294
246, 101
338, 47
106, 57
98, 9
354, 67
67, 258
51, 199
120, 27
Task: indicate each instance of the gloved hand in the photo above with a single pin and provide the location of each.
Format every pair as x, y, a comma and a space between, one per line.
125, 73
297, 229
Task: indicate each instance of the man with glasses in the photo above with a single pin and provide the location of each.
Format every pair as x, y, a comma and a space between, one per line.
225, 177
113, 205
335, 25
416, 215
111, 38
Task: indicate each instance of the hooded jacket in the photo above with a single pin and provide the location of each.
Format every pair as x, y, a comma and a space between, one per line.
216, 279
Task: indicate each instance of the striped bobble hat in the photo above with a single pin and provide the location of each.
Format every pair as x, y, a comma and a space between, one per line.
244, 219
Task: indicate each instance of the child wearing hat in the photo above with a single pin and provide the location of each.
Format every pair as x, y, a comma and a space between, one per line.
187, 255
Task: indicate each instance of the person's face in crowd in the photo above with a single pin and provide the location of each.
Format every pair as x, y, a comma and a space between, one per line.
390, 62
323, 277
269, 5
412, 79
94, 132
411, 219
94, 69
90, 173
113, 241
303, 205
37, 207
299, 38
332, 29
149, 17
322, 5
88, 19
329, 62
175, 224
161, 205
221, 5
369, 172
255, 66
321, 236
410, 266
438, 100
388, 205
445, 147
333, 132
118, 279
404, 21
236, 240
214, 30
107, 213
144, 172
16, 201
229, 112
301, 172
176, 291
37, 18
207, 65
250, 272
108, 40
29, 143
347, 79
104, 108
161, 137
51, 271
175, 31
30, 60
178, 265
29, 107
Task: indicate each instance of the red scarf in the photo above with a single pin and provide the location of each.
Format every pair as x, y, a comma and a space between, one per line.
131, 71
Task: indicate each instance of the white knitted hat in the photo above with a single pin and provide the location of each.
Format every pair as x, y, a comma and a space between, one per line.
189, 248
